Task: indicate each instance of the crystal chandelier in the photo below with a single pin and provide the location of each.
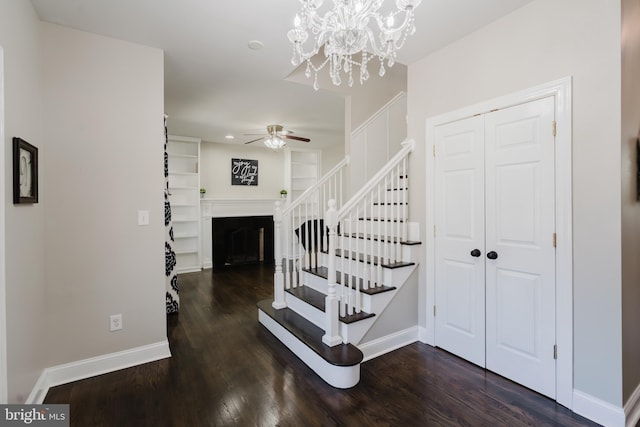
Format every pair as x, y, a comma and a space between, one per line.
274, 142
349, 28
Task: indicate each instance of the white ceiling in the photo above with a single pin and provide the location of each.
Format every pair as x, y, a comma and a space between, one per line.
215, 85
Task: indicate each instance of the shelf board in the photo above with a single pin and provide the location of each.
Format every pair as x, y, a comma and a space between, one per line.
184, 236
181, 220
185, 252
183, 173
184, 188
183, 156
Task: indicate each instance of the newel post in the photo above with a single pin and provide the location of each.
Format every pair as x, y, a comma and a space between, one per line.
332, 333
278, 277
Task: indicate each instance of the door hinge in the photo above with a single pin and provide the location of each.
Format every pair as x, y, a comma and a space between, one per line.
434, 231
434, 151
555, 240
555, 351
434, 311
553, 127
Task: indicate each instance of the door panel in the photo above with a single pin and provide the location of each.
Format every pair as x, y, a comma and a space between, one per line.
460, 277
520, 222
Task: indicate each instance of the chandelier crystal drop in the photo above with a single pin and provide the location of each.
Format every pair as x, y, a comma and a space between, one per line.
352, 33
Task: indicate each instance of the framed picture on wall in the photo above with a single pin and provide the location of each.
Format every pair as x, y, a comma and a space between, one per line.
25, 172
244, 172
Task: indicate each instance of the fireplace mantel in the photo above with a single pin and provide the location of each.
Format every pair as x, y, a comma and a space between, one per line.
222, 208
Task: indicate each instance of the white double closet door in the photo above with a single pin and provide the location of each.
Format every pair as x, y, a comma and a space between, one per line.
495, 242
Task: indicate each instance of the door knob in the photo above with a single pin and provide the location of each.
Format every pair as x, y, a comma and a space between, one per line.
475, 253
492, 255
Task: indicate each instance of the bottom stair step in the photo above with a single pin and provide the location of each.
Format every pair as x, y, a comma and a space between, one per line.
339, 365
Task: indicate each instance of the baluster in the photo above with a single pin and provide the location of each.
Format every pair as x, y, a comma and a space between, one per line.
381, 239
396, 214
332, 333
388, 192
405, 201
278, 282
285, 233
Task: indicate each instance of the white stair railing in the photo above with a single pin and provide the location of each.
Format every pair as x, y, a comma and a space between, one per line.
300, 233
373, 223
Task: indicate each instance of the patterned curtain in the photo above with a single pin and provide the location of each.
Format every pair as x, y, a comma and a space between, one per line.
173, 299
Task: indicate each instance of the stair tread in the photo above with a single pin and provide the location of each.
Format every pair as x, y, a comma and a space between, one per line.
324, 273
311, 335
380, 219
375, 238
317, 300
368, 259
390, 203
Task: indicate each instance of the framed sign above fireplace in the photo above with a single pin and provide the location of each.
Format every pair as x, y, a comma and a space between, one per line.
244, 172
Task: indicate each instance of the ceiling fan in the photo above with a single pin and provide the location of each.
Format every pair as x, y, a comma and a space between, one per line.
275, 136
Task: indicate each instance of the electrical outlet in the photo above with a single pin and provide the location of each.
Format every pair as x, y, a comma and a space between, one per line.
115, 322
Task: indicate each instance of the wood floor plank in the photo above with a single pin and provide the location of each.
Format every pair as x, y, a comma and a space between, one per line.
228, 370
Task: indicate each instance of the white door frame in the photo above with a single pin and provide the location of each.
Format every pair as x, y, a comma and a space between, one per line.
3, 273
562, 91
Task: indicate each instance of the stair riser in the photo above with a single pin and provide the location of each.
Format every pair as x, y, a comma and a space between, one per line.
408, 253
354, 332
305, 310
350, 332
368, 303
388, 212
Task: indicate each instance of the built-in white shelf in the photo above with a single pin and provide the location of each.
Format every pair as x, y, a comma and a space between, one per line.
184, 186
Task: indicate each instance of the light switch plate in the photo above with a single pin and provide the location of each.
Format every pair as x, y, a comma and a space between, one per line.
143, 217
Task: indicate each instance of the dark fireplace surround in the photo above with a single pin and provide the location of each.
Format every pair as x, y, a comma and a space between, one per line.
237, 240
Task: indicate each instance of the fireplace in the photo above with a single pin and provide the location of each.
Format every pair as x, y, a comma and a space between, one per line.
241, 240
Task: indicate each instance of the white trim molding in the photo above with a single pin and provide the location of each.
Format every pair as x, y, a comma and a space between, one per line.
388, 343
561, 90
74, 371
4, 390
221, 208
632, 408
598, 410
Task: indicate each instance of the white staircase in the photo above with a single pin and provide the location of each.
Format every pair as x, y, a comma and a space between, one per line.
337, 272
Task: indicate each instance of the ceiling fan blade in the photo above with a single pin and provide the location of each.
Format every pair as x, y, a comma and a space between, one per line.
254, 140
297, 138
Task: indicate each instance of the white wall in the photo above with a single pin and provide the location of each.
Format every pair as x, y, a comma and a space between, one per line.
215, 171
630, 205
543, 41
331, 156
25, 252
104, 106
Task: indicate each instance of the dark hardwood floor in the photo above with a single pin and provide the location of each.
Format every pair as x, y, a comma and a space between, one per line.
227, 370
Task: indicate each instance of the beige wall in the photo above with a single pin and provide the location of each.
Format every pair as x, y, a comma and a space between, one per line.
543, 41
215, 173
25, 252
104, 105
630, 205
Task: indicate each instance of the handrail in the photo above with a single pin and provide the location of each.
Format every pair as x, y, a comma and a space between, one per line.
407, 147
342, 163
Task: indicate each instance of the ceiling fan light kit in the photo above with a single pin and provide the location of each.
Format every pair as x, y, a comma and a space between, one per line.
349, 28
275, 137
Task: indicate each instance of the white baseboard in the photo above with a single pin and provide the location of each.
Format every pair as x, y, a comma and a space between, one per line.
74, 371
597, 410
423, 336
632, 408
388, 343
